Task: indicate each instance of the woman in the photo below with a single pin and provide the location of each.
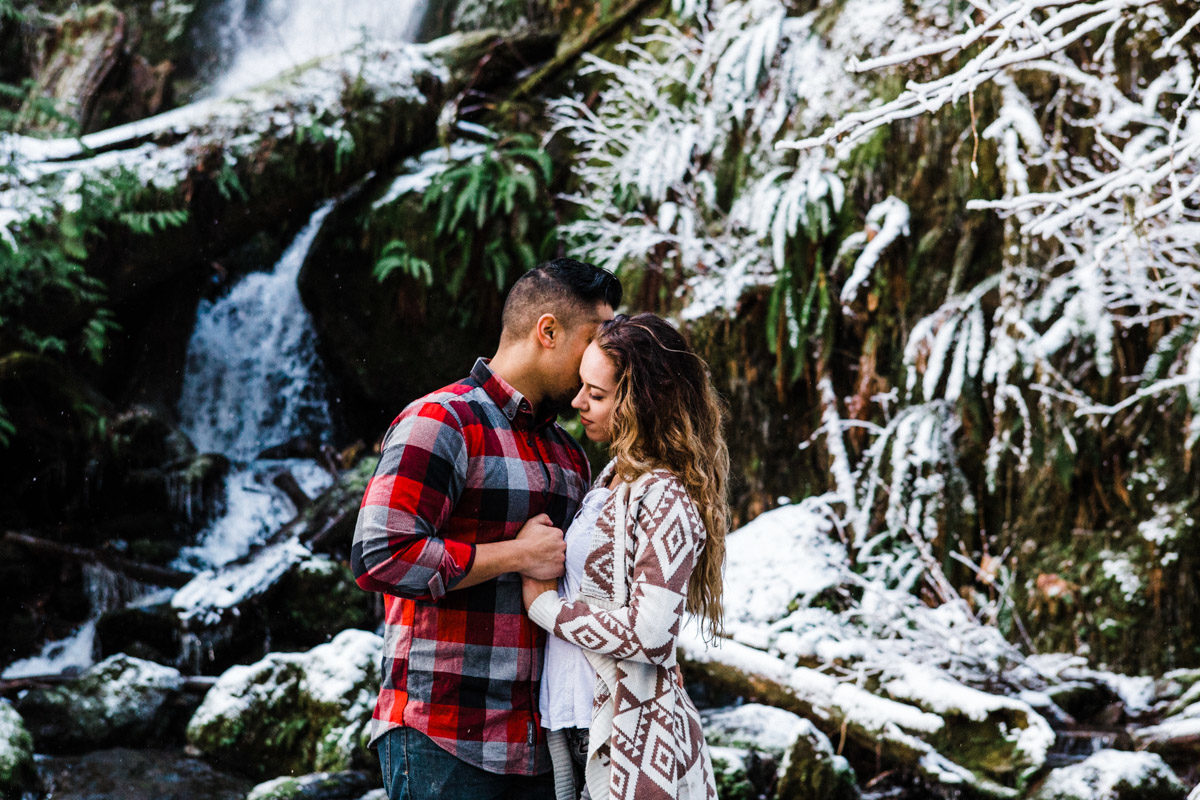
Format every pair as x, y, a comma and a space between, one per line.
653, 529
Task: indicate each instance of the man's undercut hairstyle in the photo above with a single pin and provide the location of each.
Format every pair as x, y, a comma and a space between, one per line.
564, 287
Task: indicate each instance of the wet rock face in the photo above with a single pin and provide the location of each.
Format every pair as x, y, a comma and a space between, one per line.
294, 712
393, 341
1113, 775
16, 753
120, 701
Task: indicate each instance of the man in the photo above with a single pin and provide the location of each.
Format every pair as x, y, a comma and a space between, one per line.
461, 471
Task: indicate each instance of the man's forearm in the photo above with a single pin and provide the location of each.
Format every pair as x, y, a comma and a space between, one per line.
491, 560
538, 551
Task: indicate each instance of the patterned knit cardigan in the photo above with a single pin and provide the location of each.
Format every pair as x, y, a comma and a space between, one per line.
645, 740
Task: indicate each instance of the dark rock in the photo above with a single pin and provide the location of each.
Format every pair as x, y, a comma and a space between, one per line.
314, 602
347, 785
142, 437
146, 630
151, 774
814, 772
120, 701
389, 342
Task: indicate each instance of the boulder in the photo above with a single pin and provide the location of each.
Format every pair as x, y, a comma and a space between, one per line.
1113, 775
138, 774
318, 786
315, 601
777, 753
16, 753
146, 628
293, 713
738, 773
120, 701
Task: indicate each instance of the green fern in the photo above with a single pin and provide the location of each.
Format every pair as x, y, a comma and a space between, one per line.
397, 257
148, 222
490, 212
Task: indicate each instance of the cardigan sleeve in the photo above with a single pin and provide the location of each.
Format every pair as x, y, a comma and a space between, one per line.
669, 536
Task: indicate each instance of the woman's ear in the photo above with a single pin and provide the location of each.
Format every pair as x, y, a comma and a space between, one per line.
547, 329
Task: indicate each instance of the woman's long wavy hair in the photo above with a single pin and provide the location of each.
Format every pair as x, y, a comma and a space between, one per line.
667, 415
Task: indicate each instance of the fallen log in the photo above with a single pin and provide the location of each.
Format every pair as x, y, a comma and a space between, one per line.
193, 684
1007, 740
286, 482
138, 570
233, 166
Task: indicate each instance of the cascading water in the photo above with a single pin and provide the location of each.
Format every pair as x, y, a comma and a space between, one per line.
262, 39
254, 380
105, 591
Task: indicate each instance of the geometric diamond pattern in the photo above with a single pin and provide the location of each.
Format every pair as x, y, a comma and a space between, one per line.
646, 741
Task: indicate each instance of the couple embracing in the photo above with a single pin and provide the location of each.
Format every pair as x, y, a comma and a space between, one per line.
531, 613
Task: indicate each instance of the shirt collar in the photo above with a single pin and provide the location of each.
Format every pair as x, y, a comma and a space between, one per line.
512, 403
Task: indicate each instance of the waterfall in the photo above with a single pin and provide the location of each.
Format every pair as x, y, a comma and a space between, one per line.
261, 39
253, 379
105, 591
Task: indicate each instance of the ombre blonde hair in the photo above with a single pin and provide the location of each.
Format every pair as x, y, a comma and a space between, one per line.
667, 415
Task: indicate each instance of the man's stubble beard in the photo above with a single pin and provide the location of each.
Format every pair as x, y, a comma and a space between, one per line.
560, 405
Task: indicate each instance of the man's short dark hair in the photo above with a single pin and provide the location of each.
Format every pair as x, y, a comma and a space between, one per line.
564, 287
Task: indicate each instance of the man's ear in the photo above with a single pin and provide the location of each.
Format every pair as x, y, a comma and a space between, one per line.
547, 330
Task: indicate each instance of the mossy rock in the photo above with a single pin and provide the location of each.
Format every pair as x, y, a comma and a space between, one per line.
770, 752
293, 713
1113, 775
315, 601
16, 754
813, 771
120, 701
318, 786
731, 768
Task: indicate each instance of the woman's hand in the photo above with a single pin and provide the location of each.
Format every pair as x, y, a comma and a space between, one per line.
532, 588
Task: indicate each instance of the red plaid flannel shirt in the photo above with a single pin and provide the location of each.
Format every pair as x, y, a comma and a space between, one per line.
465, 465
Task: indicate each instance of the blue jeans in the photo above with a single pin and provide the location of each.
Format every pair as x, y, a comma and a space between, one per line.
415, 768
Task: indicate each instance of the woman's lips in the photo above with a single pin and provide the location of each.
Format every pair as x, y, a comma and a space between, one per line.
585, 420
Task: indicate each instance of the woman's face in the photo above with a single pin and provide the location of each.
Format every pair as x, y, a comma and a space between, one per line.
597, 398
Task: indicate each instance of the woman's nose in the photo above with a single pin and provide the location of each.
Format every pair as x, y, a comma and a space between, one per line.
580, 401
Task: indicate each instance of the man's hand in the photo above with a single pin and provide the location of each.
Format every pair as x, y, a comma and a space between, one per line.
543, 548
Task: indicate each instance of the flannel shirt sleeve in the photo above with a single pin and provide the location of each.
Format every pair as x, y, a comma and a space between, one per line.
646, 627
421, 474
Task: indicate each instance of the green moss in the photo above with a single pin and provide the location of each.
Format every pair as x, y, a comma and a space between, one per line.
16, 753
732, 782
